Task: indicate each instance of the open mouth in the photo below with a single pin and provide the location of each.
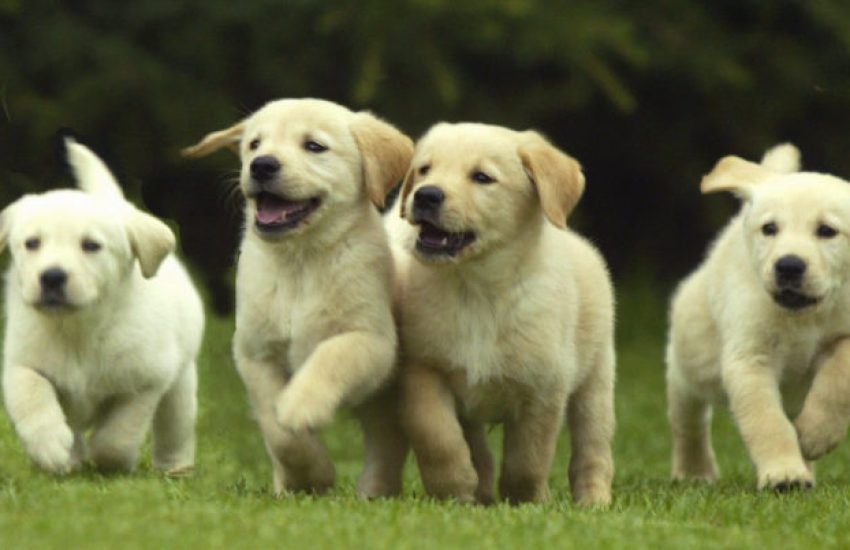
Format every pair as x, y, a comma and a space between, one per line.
434, 241
791, 299
276, 214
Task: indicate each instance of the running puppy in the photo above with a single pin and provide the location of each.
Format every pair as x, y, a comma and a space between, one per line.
506, 316
103, 328
314, 327
765, 311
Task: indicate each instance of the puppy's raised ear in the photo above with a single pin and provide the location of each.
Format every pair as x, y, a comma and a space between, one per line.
90, 172
150, 240
556, 176
214, 141
386, 154
736, 175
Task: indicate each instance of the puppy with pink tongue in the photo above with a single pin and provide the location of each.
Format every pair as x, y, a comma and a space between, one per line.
314, 328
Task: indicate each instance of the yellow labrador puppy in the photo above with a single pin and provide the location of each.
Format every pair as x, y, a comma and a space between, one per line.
103, 328
765, 311
506, 316
314, 328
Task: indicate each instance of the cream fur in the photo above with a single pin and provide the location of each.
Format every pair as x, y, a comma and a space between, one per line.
516, 329
314, 328
730, 342
121, 355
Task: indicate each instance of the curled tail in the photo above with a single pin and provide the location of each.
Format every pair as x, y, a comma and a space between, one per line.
91, 173
783, 158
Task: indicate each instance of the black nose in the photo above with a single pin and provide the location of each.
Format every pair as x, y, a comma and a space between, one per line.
53, 279
429, 197
789, 270
264, 168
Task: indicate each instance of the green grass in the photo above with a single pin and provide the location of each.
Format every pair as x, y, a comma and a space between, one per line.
228, 501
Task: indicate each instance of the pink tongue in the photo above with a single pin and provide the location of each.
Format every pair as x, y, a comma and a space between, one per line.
274, 210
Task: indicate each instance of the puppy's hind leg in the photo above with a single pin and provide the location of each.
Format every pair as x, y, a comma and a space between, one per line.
690, 424
120, 430
174, 425
385, 446
590, 415
529, 446
482, 459
299, 459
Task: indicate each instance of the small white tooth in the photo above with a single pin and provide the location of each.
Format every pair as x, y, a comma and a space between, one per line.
444, 241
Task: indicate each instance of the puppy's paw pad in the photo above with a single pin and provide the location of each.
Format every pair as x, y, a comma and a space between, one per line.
793, 485
51, 448
783, 480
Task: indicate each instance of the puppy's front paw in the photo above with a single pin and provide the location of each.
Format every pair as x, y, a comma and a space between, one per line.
51, 448
300, 407
786, 477
818, 433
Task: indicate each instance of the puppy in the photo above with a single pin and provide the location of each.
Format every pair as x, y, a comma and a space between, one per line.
314, 328
506, 316
103, 328
765, 311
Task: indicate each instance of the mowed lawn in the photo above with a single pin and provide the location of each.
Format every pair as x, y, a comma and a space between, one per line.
228, 502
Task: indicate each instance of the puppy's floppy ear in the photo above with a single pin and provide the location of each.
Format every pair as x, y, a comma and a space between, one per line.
556, 176
386, 154
736, 175
6, 224
214, 141
406, 188
91, 173
150, 240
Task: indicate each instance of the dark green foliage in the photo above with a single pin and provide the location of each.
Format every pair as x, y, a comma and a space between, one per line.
646, 94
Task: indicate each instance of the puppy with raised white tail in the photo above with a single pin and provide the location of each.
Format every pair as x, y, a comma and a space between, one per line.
103, 328
314, 324
506, 316
765, 314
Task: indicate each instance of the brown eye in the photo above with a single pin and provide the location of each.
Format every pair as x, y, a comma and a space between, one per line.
254, 144
314, 146
32, 243
482, 178
424, 169
769, 229
89, 245
826, 232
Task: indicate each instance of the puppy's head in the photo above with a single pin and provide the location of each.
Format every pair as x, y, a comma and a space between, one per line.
70, 248
473, 187
796, 224
303, 159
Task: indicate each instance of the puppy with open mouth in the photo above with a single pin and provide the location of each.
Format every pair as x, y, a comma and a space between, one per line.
763, 315
314, 324
103, 328
506, 316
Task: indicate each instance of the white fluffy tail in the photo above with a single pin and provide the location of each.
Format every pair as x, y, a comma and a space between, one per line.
783, 158
91, 173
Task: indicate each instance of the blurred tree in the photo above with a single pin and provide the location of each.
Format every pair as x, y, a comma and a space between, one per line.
646, 94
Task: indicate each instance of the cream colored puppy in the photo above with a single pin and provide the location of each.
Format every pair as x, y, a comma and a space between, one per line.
103, 328
314, 328
506, 317
765, 311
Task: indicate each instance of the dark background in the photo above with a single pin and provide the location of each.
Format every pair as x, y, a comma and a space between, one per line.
647, 95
